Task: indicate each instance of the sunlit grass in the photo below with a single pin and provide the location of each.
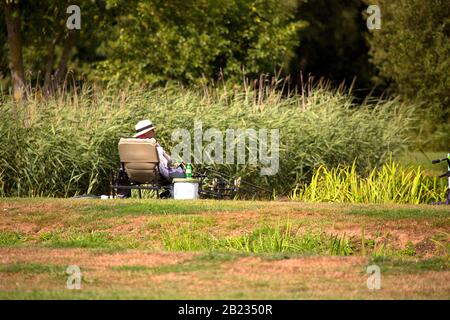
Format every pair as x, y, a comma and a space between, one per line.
390, 183
265, 239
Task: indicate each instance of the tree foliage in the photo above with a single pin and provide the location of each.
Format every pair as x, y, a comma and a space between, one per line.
186, 40
333, 43
412, 50
153, 41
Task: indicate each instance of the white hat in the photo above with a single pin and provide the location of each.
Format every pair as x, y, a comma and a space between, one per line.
142, 127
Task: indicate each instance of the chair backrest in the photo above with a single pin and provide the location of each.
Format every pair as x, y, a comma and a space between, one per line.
140, 159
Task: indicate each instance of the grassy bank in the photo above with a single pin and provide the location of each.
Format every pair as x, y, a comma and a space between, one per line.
229, 226
159, 249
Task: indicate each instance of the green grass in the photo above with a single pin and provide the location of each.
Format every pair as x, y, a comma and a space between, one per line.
131, 268
86, 227
400, 213
33, 268
209, 268
235, 253
296, 229
389, 183
93, 239
263, 239
111, 294
206, 261
423, 159
407, 265
164, 207
186, 239
8, 238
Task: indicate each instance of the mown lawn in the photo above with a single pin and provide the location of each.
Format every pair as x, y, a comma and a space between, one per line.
423, 159
167, 249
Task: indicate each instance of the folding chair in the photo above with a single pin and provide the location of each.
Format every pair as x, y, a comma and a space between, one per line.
139, 167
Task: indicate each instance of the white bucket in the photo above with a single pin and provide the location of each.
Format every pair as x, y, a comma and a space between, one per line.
185, 189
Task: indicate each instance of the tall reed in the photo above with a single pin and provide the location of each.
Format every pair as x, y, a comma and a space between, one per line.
390, 183
67, 144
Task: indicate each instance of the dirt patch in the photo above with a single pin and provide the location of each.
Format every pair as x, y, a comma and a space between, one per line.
317, 265
248, 277
32, 218
132, 226
90, 258
233, 223
36, 207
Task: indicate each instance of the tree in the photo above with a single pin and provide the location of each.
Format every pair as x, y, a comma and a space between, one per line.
39, 41
51, 49
13, 25
188, 40
412, 51
333, 44
4, 58
150, 41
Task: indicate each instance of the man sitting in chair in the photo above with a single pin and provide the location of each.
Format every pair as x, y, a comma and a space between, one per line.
167, 168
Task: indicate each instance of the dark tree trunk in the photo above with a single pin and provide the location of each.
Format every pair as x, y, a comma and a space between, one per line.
69, 42
49, 68
12, 20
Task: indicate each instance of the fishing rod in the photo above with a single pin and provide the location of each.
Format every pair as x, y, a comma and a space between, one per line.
444, 175
223, 187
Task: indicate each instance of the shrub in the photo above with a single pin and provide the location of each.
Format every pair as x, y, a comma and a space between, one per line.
412, 51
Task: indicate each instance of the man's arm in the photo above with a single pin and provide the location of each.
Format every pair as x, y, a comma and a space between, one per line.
165, 154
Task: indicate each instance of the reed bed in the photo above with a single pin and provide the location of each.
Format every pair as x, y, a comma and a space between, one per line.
66, 144
390, 183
